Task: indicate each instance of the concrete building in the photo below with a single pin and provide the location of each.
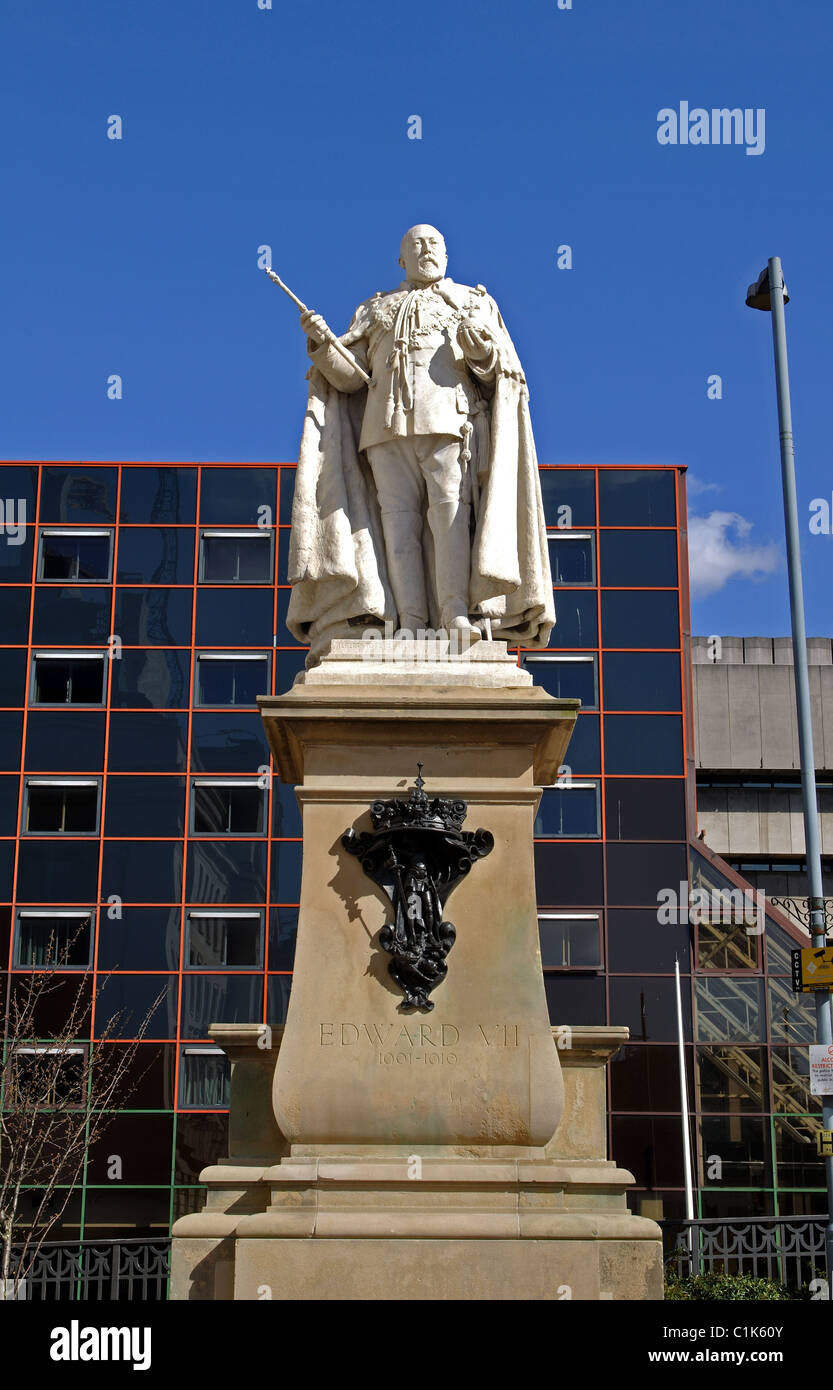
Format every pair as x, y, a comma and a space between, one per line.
746, 756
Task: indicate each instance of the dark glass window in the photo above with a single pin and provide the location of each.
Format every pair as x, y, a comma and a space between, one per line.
643, 743
584, 749
568, 677
569, 496
647, 618
791, 1080
636, 874
16, 551
148, 742
78, 495
277, 998
282, 556
53, 807
574, 1000
155, 555
650, 1147
571, 810
795, 1154
283, 929
647, 1005
228, 808
200, 1139
286, 871
234, 618
638, 943
647, 1078
68, 874
158, 495
13, 676
72, 615
227, 871
641, 680
792, 1017
723, 943
231, 678
234, 496
63, 678
287, 495
639, 558
227, 941
741, 1146
636, 497
569, 875
142, 871
732, 1079
236, 557
289, 663
65, 741
570, 942
286, 813
14, 614
145, 806
576, 622
145, 1145
11, 731
129, 999
54, 1073
150, 679
645, 808
8, 814
53, 938
204, 1075
153, 617
151, 1077
75, 555
571, 557
729, 1009
20, 483
234, 742
138, 938
7, 867
208, 998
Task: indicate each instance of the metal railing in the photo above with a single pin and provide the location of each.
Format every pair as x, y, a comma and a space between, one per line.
97, 1270
788, 1249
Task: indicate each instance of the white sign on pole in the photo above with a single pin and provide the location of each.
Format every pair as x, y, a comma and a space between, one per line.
821, 1069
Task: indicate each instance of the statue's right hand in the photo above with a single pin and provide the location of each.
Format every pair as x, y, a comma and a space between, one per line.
314, 326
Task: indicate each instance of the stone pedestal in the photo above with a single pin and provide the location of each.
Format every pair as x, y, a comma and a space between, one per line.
419, 1153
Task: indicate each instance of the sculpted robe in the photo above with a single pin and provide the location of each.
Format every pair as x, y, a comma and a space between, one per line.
423, 384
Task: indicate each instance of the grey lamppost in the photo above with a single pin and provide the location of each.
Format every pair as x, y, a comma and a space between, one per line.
769, 293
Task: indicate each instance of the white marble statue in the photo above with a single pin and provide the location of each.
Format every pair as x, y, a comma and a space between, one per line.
417, 498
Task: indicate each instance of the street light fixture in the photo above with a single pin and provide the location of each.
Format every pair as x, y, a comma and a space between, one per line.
769, 293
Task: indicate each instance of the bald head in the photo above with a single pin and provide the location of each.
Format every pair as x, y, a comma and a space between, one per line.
422, 254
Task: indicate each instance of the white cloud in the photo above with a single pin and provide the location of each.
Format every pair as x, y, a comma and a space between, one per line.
719, 551
695, 486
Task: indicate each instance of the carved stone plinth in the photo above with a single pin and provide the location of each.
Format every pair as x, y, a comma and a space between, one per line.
420, 1154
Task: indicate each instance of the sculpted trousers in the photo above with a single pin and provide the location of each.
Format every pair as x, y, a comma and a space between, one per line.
404, 471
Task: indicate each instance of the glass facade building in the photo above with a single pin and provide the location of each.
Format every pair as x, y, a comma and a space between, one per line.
143, 610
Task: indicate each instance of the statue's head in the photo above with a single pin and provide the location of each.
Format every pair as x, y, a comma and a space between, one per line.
422, 255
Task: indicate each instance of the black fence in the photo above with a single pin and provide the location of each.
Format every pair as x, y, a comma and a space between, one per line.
788, 1249
100, 1269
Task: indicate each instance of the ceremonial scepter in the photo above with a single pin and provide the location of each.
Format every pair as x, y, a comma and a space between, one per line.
331, 337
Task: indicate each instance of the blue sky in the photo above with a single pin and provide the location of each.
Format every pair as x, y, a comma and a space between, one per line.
245, 126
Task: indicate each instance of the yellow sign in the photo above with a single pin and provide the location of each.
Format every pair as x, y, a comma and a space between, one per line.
813, 969
824, 1143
